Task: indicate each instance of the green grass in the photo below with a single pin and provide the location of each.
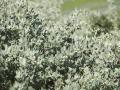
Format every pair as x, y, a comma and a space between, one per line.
71, 4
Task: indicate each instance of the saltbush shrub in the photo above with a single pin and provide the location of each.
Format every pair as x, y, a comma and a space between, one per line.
49, 51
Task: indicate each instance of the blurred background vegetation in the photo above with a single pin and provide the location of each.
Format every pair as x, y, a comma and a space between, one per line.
93, 4
88, 4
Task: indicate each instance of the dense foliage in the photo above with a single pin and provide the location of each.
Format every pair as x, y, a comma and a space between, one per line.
41, 49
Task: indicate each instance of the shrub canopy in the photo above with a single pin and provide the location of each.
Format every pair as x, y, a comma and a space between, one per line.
42, 49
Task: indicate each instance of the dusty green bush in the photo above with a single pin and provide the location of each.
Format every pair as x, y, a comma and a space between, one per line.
79, 51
